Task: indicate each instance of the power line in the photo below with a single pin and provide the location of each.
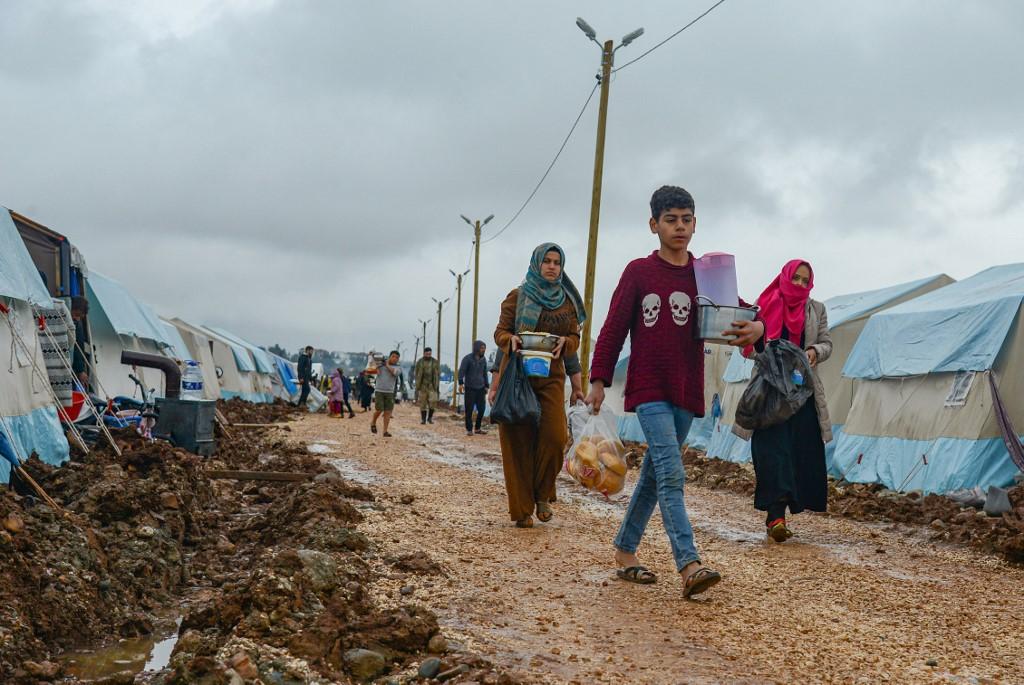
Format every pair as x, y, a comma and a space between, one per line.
550, 167
644, 54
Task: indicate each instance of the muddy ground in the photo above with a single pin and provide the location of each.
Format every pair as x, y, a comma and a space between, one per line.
844, 601
397, 555
269, 581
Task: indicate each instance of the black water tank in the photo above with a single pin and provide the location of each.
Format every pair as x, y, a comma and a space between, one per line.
187, 424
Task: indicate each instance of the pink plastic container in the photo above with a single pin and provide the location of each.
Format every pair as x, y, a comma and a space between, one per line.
716, 278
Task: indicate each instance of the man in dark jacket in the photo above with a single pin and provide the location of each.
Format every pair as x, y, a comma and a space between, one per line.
305, 374
473, 384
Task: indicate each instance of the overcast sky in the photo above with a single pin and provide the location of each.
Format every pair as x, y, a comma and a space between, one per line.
295, 171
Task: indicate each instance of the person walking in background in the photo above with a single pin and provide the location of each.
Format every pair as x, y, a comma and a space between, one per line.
335, 394
428, 379
305, 374
531, 455
789, 458
364, 389
473, 385
384, 396
346, 390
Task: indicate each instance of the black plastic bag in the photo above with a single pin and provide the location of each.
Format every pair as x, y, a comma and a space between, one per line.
515, 401
773, 395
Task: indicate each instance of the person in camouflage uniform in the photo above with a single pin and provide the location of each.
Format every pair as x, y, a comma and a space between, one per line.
428, 380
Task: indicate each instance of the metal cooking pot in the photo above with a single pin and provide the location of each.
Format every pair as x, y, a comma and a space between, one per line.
539, 342
712, 319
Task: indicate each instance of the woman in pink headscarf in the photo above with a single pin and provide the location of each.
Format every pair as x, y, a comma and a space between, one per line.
789, 458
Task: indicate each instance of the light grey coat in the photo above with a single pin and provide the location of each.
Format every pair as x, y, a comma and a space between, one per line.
816, 336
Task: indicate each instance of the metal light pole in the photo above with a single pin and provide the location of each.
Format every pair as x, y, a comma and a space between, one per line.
607, 60
477, 225
458, 332
437, 352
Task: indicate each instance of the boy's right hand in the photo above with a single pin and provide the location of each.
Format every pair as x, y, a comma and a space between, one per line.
595, 398
517, 342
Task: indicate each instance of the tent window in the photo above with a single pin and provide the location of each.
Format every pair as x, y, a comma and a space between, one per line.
962, 382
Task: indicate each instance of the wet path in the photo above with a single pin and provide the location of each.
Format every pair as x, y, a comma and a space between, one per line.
841, 602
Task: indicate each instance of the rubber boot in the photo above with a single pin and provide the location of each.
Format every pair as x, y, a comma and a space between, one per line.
423, 416
430, 416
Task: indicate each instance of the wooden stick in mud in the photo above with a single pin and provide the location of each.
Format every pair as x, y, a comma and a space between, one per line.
220, 417
279, 476
39, 489
223, 426
258, 425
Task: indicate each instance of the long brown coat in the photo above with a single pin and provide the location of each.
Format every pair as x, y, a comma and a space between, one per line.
816, 336
531, 456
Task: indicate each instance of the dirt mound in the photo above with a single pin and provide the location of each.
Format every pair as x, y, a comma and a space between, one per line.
296, 602
237, 410
119, 553
949, 520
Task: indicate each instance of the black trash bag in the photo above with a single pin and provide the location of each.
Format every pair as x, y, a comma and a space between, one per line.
772, 395
515, 401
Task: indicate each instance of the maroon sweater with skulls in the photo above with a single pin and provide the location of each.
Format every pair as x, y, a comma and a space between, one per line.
655, 303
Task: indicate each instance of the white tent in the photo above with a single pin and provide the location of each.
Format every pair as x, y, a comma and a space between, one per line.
232, 363
28, 415
929, 379
847, 316
118, 322
266, 371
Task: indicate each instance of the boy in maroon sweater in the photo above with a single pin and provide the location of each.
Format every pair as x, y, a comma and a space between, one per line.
655, 303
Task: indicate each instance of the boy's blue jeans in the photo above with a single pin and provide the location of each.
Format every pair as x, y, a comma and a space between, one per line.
661, 482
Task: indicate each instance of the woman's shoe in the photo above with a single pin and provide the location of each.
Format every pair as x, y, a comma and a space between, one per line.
778, 531
544, 512
525, 523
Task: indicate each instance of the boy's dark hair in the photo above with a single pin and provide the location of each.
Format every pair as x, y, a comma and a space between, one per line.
427, 349
670, 197
395, 352
309, 348
79, 304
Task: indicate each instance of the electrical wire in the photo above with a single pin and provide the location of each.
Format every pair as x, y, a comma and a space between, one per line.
548, 170
644, 54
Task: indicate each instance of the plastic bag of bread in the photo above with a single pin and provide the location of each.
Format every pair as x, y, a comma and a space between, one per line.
596, 459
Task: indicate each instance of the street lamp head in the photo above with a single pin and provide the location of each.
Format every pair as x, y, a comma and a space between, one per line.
488, 219
464, 218
452, 272
465, 272
630, 37
587, 29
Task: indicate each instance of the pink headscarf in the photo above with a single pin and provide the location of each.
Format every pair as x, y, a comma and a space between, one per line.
783, 303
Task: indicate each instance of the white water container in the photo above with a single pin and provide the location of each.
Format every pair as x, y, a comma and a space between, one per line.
192, 381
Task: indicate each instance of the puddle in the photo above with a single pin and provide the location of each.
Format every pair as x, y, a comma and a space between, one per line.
357, 473
136, 655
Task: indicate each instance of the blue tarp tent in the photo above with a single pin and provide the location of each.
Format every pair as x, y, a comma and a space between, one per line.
923, 410
28, 416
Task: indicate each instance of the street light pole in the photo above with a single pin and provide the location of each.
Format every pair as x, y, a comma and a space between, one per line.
607, 60
458, 333
477, 225
437, 352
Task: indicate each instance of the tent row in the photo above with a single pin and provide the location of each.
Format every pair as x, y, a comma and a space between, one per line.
40, 271
925, 385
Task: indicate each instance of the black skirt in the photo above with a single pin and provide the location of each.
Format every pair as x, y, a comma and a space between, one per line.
789, 462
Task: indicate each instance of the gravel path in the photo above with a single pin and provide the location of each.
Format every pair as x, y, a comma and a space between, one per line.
841, 602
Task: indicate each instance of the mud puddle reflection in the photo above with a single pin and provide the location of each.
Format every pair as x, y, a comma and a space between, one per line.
136, 655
